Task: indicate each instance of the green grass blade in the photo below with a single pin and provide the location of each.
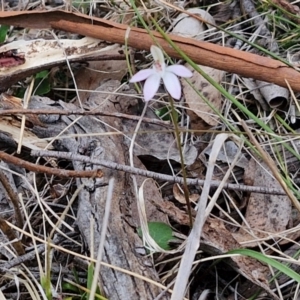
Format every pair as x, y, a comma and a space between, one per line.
269, 261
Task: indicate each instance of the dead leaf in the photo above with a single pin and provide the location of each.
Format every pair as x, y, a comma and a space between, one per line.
190, 27
266, 214
90, 78
171, 210
197, 106
179, 195
226, 155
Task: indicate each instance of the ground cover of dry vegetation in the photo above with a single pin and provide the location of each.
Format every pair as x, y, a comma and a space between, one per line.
104, 195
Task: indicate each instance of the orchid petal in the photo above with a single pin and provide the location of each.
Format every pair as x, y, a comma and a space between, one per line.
142, 75
151, 86
172, 85
179, 70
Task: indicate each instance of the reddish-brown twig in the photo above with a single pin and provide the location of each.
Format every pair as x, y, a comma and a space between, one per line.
51, 171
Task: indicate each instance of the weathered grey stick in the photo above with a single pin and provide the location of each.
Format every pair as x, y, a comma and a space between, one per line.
145, 173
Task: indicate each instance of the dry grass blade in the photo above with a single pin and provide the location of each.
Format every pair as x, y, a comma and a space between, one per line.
102, 241
193, 240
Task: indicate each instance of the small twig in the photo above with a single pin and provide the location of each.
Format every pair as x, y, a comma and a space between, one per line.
10, 112
50, 171
158, 176
11, 237
29, 256
13, 198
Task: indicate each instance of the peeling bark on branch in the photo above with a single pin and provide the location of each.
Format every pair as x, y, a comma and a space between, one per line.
207, 54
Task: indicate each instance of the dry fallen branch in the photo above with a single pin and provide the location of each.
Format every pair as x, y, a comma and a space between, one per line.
51, 171
145, 173
25, 58
207, 54
96, 112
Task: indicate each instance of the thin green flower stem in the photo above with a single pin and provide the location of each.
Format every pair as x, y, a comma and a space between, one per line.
184, 175
138, 125
173, 113
185, 189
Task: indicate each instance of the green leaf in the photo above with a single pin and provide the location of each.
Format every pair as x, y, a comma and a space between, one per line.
42, 87
165, 113
42, 83
270, 261
42, 74
74, 271
3, 32
66, 286
90, 278
46, 284
161, 233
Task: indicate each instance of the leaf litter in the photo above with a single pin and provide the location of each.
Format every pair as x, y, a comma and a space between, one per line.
97, 78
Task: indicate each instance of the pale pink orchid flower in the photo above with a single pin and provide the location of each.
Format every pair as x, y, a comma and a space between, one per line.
160, 71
